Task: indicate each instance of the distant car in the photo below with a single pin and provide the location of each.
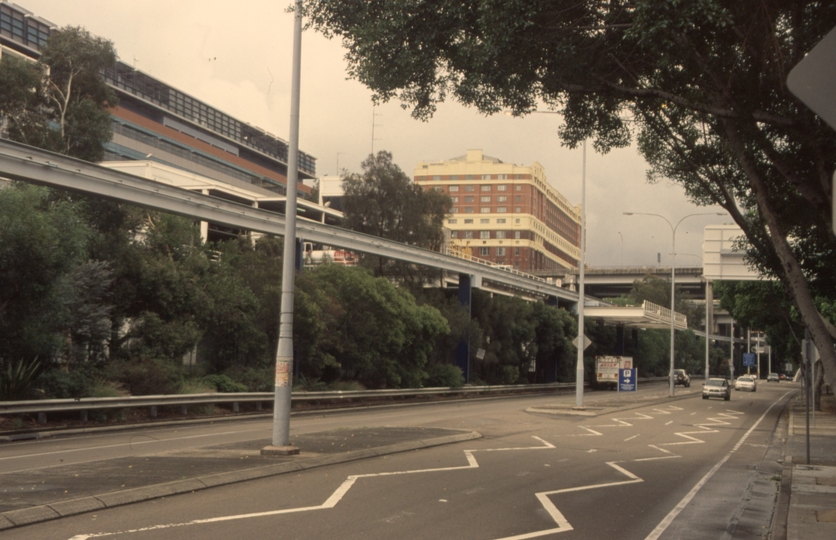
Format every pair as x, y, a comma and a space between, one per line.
716, 388
746, 382
680, 376
773, 377
783, 377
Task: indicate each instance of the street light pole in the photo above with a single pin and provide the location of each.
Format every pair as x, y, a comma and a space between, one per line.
581, 263
673, 276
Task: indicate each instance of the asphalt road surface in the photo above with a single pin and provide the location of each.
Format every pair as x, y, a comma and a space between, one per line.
684, 468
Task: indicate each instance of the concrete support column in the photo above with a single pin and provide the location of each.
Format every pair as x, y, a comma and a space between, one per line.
204, 225
463, 348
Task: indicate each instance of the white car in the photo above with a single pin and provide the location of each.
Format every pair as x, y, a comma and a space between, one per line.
746, 382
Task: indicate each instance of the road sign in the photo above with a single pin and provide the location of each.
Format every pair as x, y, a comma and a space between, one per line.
586, 342
748, 359
813, 80
627, 380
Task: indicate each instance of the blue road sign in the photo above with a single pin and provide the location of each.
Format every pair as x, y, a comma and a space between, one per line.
748, 359
627, 380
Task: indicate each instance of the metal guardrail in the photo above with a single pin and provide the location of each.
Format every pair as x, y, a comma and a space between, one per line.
83, 405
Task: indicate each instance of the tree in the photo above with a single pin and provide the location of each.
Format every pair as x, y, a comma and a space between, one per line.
384, 202
64, 88
699, 84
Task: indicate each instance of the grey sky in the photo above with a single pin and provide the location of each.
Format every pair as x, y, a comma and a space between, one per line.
236, 57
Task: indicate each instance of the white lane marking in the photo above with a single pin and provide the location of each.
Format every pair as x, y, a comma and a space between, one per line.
331, 502
665, 523
129, 443
630, 438
669, 423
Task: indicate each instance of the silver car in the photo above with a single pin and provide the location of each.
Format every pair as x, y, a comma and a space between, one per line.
716, 388
746, 382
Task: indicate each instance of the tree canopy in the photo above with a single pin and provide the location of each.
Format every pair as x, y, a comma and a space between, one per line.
384, 202
699, 84
61, 102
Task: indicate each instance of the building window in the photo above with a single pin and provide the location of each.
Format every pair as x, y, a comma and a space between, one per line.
484, 252
485, 209
436, 177
517, 210
438, 188
501, 209
500, 234
502, 176
453, 177
454, 210
484, 235
469, 198
452, 221
486, 177
455, 199
469, 177
500, 252
454, 234
518, 198
486, 198
486, 187
519, 187
468, 234
483, 221
517, 234
517, 221
453, 188
500, 220
502, 198
470, 187
468, 209
517, 252
501, 187
468, 222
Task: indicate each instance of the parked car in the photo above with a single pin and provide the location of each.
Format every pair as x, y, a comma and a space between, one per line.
716, 388
746, 382
782, 377
680, 376
773, 377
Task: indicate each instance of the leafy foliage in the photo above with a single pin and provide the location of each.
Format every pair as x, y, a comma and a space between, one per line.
384, 202
701, 86
17, 378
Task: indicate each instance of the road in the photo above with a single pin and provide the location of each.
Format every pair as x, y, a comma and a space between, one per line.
682, 468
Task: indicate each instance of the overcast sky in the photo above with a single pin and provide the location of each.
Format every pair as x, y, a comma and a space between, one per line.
236, 56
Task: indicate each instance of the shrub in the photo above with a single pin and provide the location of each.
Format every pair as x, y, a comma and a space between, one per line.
17, 379
148, 376
444, 375
62, 384
223, 383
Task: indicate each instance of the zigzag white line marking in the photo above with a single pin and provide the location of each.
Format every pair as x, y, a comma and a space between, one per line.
331, 502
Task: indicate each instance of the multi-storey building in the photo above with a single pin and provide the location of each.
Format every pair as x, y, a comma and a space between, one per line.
156, 122
504, 213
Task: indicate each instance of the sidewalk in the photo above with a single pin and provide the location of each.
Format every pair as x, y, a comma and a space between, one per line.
809, 491
46, 494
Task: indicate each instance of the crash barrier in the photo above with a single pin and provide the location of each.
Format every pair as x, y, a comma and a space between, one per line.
84, 405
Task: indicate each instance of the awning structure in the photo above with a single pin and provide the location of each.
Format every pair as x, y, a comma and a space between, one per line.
648, 315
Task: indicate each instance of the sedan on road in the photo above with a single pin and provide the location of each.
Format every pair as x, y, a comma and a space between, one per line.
773, 377
746, 382
716, 388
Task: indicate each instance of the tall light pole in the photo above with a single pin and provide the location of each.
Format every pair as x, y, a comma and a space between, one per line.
581, 264
284, 353
673, 274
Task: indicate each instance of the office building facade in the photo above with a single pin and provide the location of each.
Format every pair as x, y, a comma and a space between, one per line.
505, 214
156, 122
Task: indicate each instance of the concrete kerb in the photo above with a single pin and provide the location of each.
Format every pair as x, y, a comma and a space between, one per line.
593, 410
48, 512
